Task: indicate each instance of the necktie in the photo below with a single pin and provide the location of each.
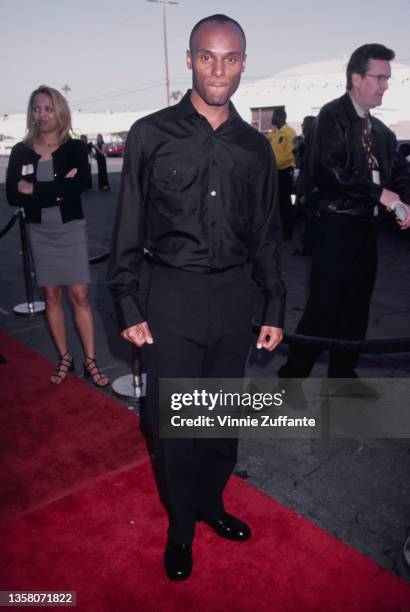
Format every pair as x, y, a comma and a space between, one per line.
367, 143
371, 160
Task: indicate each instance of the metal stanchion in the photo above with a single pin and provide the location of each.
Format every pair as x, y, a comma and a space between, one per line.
131, 386
30, 307
406, 551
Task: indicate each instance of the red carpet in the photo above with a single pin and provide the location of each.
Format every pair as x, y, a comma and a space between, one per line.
54, 437
104, 540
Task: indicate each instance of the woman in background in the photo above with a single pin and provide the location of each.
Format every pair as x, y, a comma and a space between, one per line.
89, 146
99, 149
47, 172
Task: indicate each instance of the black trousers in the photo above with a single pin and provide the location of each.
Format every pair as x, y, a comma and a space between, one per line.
201, 325
287, 210
89, 177
342, 280
102, 171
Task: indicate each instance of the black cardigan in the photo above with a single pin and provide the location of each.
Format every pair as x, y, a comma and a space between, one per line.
63, 192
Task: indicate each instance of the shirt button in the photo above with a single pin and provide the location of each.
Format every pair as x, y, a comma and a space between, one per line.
213, 224
213, 193
214, 162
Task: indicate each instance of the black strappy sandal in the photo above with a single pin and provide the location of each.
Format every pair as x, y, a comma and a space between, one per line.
64, 366
94, 372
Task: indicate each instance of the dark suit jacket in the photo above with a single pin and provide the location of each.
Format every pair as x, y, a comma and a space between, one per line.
340, 170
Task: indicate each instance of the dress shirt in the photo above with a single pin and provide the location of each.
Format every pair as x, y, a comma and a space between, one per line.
199, 200
366, 134
362, 113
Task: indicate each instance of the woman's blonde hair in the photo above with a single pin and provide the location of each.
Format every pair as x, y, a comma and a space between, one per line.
61, 109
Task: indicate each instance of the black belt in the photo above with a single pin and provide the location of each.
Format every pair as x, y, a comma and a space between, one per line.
205, 270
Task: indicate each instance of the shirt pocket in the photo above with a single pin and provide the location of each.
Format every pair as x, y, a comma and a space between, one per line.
174, 178
174, 188
241, 201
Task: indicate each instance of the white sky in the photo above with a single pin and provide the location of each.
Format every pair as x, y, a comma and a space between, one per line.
110, 52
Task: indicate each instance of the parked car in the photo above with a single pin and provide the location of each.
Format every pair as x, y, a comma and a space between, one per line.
115, 149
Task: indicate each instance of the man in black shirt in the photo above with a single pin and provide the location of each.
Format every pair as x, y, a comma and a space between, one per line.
199, 193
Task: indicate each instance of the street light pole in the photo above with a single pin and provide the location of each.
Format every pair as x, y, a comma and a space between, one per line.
164, 26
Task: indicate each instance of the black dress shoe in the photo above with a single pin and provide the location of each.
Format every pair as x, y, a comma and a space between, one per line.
294, 396
178, 561
229, 527
356, 388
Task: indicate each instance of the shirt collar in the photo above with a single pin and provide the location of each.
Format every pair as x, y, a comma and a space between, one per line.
357, 107
185, 108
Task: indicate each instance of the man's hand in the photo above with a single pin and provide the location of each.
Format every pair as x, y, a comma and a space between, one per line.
71, 173
25, 187
388, 198
406, 223
269, 337
138, 334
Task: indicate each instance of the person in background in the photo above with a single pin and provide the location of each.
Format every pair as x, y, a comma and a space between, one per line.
282, 140
404, 149
305, 209
100, 156
84, 138
47, 172
356, 171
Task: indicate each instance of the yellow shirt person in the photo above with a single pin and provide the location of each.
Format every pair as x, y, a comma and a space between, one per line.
282, 143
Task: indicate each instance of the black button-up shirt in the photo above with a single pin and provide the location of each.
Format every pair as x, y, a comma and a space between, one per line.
197, 199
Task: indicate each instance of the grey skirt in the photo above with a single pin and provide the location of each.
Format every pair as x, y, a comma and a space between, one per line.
59, 250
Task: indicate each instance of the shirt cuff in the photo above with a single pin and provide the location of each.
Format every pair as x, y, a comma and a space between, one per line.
128, 312
274, 313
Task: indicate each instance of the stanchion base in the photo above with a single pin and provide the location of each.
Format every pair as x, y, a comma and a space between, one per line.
29, 308
406, 551
125, 387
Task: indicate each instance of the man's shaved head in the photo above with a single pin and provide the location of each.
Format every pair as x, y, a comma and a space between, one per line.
217, 18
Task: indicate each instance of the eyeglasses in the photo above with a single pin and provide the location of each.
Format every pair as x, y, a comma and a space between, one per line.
381, 78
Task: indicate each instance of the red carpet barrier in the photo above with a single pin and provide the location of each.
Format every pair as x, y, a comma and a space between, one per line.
104, 533
54, 437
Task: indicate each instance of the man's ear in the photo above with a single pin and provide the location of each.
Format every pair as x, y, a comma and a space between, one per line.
189, 59
244, 63
356, 78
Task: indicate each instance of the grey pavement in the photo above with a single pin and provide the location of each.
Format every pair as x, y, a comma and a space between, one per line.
358, 490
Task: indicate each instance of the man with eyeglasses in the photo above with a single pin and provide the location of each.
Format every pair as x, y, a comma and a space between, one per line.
356, 176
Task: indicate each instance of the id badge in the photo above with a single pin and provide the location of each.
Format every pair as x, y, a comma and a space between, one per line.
27, 169
376, 180
376, 177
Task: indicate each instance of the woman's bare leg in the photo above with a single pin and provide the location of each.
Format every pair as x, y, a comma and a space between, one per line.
55, 317
83, 317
